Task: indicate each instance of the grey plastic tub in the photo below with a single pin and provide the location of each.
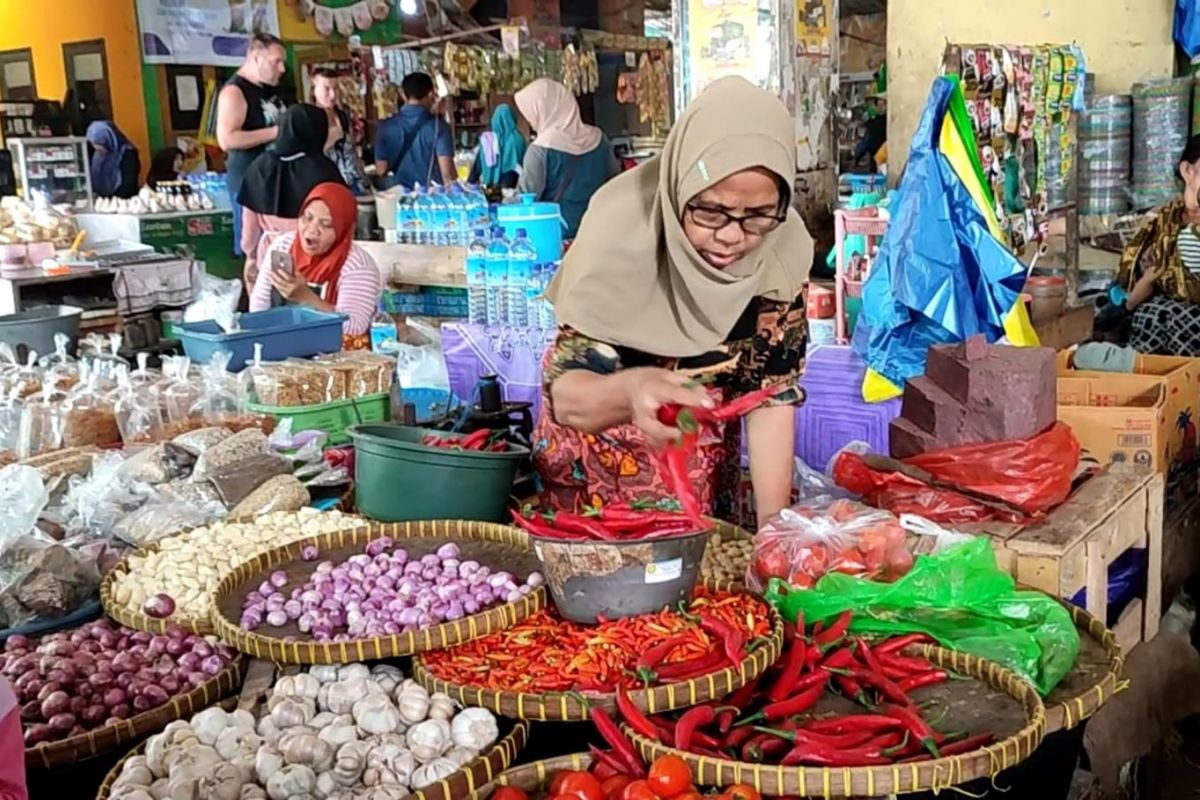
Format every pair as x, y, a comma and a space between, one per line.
36, 327
620, 579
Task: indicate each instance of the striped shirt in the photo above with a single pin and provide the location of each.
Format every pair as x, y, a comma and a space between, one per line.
358, 287
1188, 245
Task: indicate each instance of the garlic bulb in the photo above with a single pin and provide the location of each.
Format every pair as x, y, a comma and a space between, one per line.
267, 762
375, 714
387, 676
429, 739
413, 702
290, 782
474, 729
340, 697
289, 713
441, 706
434, 771
222, 783
308, 749
302, 686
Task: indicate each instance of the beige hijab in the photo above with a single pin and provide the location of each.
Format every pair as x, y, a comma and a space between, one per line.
632, 278
553, 113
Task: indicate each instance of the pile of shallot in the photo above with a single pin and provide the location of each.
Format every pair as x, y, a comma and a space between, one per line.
76, 681
381, 591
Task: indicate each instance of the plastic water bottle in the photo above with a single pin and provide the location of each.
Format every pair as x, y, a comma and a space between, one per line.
545, 309
437, 216
478, 206
477, 270
460, 215
404, 214
521, 260
497, 278
422, 217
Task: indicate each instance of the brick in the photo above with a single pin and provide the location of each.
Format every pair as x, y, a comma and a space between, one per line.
906, 439
931, 408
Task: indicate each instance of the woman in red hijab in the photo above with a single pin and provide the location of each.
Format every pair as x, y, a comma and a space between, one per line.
320, 266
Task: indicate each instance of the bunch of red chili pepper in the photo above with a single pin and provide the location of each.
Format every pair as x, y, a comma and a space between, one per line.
484, 440
613, 523
673, 460
545, 653
773, 721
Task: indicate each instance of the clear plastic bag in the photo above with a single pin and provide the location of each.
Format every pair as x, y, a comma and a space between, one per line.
235, 481
143, 377
198, 440
137, 412
281, 493
802, 543
811, 484
40, 429
291, 385
238, 447
220, 396
928, 538
161, 518
88, 416
217, 300
180, 393
95, 503
61, 355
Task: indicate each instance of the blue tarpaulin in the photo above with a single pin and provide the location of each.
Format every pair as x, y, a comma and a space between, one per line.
940, 275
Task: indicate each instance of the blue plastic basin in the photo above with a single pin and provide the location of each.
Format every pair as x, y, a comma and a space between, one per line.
284, 332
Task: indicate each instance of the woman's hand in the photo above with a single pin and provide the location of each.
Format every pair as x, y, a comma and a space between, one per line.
650, 388
292, 287
1143, 290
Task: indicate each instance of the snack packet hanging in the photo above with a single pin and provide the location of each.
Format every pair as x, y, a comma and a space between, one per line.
802, 543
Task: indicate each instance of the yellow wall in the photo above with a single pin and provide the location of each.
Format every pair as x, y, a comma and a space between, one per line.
1124, 41
45, 27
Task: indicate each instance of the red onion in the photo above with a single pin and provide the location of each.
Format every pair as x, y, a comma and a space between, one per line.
142, 703
155, 694
212, 665
17, 642
36, 734
160, 606
93, 715
113, 697
61, 723
121, 711
47, 690
197, 678
309, 552
31, 711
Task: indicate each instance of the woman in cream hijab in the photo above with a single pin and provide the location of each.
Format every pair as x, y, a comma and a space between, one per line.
693, 263
569, 160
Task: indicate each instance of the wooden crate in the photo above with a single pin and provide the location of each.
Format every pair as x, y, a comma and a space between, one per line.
1072, 547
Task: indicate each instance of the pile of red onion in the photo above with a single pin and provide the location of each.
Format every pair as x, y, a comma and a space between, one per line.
381, 592
75, 681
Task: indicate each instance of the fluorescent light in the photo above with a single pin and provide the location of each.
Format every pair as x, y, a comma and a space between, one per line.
408, 7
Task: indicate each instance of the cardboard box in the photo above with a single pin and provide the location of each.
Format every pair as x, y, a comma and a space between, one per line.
1118, 418
1180, 378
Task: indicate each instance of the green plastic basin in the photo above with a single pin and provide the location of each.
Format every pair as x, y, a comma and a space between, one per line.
398, 479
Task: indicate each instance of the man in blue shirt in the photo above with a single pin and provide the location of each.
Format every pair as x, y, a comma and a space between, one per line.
414, 145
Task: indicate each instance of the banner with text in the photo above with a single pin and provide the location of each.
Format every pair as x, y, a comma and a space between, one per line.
203, 32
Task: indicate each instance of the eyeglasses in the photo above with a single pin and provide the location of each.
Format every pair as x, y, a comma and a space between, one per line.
714, 219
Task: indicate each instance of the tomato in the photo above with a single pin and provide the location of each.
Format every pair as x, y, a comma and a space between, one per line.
509, 793
771, 561
690, 794
557, 781
638, 790
613, 786
743, 791
581, 785
669, 776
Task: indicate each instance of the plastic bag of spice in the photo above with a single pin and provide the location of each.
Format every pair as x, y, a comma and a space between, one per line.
238, 447
89, 417
234, 482
960, 598
281, 493
40, 430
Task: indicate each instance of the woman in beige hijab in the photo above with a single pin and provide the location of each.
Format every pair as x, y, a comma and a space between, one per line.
569, 160
692, 264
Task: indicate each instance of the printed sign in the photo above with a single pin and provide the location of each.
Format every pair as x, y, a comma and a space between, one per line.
204, 32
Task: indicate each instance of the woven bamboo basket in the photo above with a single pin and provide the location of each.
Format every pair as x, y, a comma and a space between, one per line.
570, 706
465, 782
933, 775
135, 619
478, 540
726, 532
103, 740
532, 777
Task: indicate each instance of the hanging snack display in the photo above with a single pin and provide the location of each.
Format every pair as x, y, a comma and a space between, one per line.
1019, 103
653, 89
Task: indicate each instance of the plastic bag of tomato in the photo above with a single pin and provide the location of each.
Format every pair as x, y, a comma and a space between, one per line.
802, 543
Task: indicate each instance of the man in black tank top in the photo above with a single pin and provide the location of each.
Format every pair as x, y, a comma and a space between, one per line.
248, 109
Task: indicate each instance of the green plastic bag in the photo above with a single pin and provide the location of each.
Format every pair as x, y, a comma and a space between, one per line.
961, 599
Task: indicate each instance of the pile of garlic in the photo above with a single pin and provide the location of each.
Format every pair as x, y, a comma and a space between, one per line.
188, 567
148, 201
333, 733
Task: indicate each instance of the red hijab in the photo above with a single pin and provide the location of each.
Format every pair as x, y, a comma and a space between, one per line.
327, 269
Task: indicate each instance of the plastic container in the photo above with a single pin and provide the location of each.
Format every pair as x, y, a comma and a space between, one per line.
1048, 296
285, 332
334, 418
620, 579
398, 479
542, 222
834, 412
36, 328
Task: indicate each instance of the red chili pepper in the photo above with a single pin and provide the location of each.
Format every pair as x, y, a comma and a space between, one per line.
864, 652
741, 406
839, 659
689, 721
916, 726
816, 754
683, 670
474, 440
739, 699
622, 748
764, 747
850, 722
736, 737
792, 669
847, 741
674, 461
967, 745
536, 526
930, 678
835, 631
574, 523
886, 686
911, 666
898, 643
852, 689
633, 715
793, 705
606, 758
732, 640
654, 655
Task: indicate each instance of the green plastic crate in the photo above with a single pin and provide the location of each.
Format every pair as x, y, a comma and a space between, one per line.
333, 418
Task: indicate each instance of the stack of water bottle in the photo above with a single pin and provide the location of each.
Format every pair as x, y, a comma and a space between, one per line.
440, 216
505, 282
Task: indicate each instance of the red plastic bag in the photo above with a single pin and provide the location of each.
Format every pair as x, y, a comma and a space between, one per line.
802, 543
1033, 475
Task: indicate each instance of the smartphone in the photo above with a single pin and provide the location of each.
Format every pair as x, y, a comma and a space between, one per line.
281, 260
